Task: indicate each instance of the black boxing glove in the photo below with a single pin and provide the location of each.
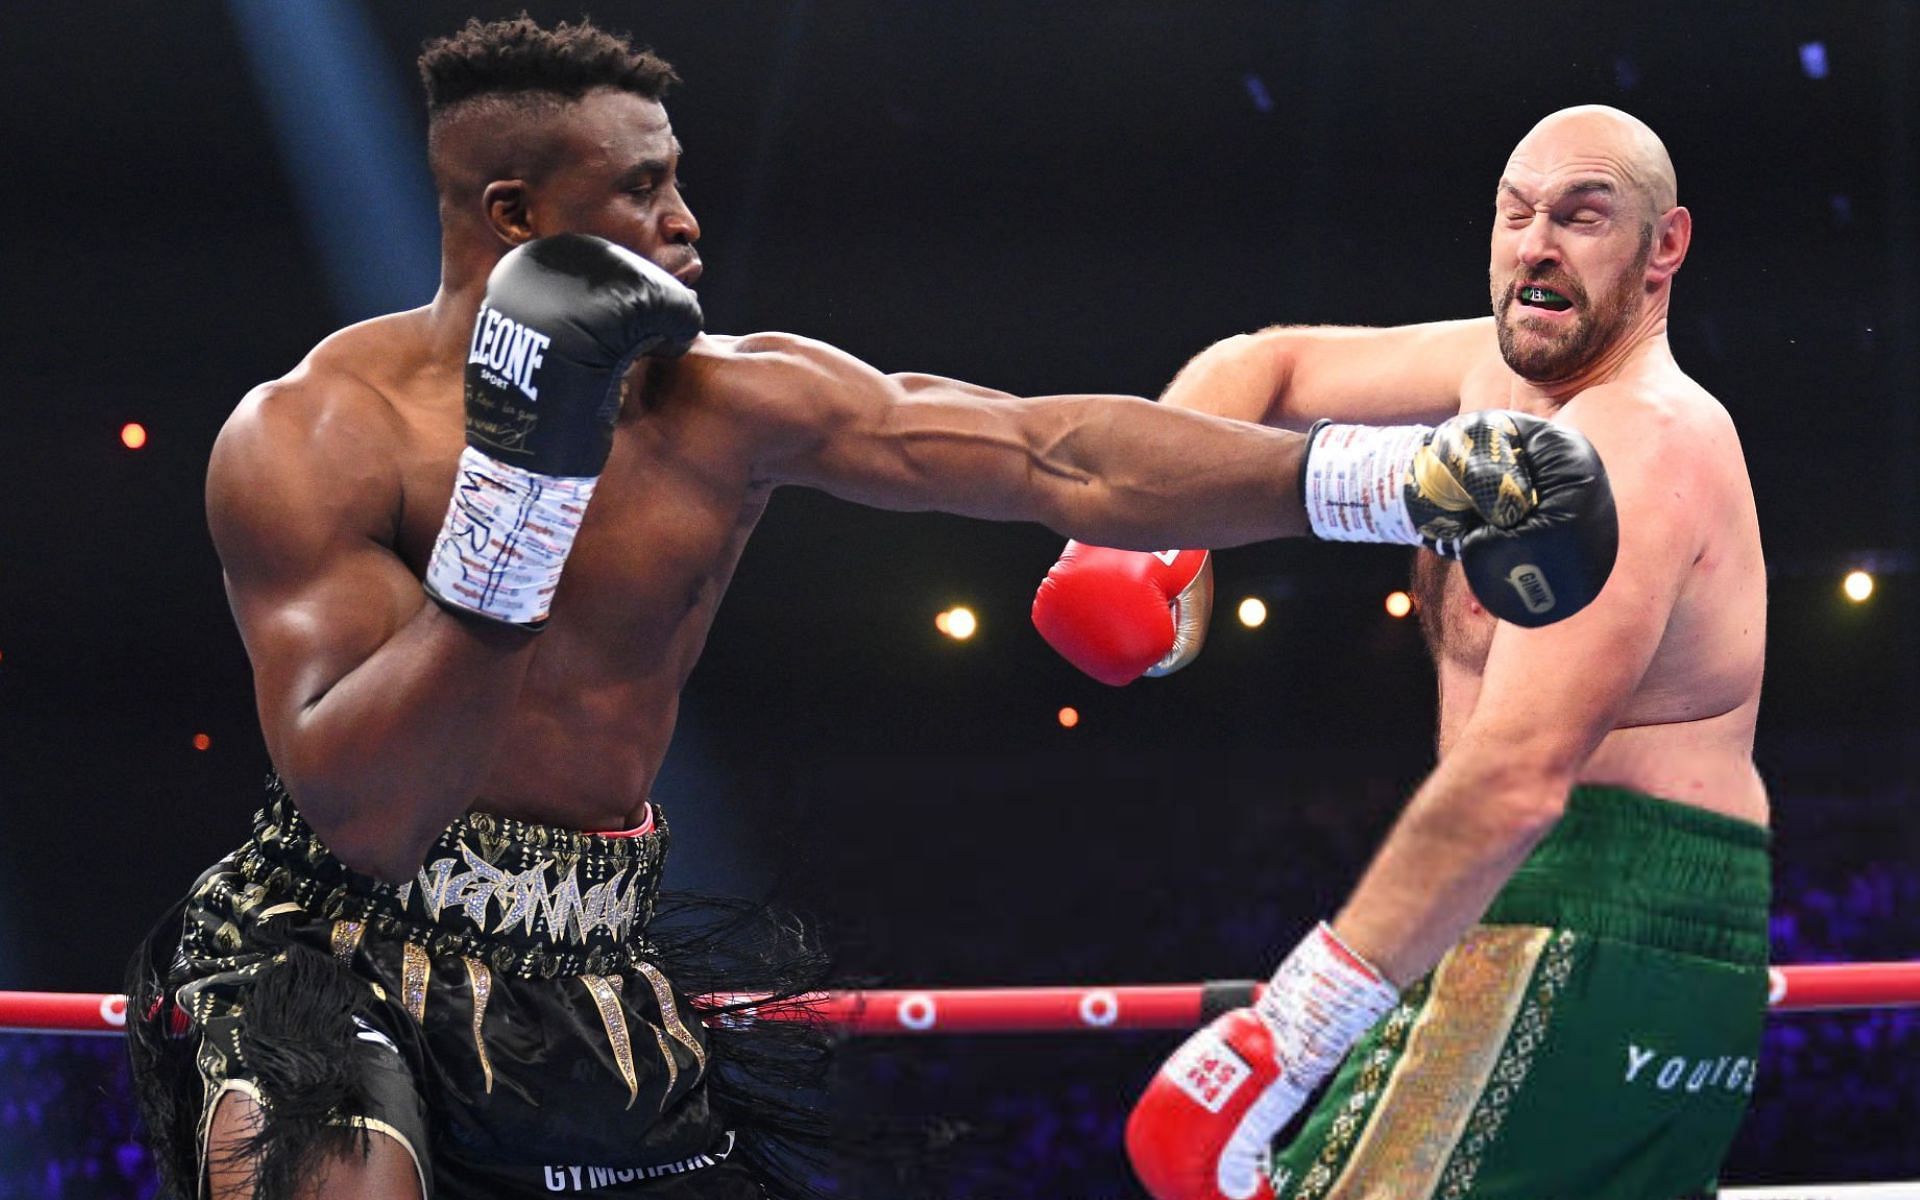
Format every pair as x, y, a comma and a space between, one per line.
1523, 503
563, 319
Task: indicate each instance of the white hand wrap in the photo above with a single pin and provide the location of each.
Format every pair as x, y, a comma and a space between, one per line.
1355, 482
505, 539
1321, 1001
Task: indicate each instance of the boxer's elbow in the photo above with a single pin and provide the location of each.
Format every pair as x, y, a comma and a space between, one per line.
365, 837
1242, 377
1529, 809
1518, 787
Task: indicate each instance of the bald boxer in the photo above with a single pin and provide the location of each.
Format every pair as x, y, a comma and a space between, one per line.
1551, 979
474, 550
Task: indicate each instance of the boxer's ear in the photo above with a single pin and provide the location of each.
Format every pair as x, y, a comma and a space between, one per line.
1672, 234
505, 205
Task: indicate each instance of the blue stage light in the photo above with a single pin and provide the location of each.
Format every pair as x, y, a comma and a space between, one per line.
354, 149
1813, 59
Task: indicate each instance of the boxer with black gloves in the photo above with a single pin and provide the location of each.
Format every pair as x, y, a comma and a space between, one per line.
431, 971
1591, 847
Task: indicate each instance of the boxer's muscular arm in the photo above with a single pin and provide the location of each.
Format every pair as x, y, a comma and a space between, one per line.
1547, 698
1292, 376
1115, 470
378, 706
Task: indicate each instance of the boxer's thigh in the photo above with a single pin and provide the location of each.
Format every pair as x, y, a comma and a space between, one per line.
386, 1162
1522, 1067
1638, 1084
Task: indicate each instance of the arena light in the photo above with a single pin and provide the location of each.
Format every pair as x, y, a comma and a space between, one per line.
1857, 586
1813, 60
1069, 717
1253, 612
957, 622
1399, 604
133, 435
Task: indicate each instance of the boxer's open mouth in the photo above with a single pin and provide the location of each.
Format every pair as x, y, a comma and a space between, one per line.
1534, 296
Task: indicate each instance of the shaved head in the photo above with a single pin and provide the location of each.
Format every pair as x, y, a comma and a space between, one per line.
1606, 138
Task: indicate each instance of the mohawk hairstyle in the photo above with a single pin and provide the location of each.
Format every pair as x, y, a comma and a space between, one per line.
501, 58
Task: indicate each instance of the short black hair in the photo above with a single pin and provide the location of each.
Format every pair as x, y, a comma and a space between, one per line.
516, 55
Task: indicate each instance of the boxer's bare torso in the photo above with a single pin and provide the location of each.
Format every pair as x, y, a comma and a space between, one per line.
1686, 732
679, 496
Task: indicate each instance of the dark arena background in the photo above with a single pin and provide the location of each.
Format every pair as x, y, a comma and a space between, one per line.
1041, 197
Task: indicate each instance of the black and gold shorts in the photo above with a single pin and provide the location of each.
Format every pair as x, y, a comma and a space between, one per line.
502, 1015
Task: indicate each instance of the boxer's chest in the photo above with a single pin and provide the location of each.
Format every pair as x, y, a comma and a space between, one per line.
659, 542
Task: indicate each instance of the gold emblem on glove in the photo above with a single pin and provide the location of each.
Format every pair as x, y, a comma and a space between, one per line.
1471, 465
1511, 502
1438, 483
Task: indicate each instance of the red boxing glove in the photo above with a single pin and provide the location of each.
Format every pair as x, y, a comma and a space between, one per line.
1204, 1128
1121, 614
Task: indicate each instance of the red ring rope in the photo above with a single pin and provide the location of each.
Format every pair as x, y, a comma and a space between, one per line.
1041, 1009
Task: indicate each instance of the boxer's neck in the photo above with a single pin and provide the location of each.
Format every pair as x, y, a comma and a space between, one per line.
463, 282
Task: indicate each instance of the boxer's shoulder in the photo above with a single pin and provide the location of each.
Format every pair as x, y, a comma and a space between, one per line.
1653, 414
354, 384
305, 422
1672, 456
319, 445
752, 361
773, 384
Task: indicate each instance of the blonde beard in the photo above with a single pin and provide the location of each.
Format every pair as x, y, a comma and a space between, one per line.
1597, 328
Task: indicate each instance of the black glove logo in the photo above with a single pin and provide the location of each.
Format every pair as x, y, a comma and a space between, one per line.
1530, 583
507, 351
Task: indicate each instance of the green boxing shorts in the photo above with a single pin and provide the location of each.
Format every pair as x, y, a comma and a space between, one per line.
1595, 1037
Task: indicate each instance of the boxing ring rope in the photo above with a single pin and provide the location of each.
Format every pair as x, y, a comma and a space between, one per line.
1166, 1007
1824, 986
